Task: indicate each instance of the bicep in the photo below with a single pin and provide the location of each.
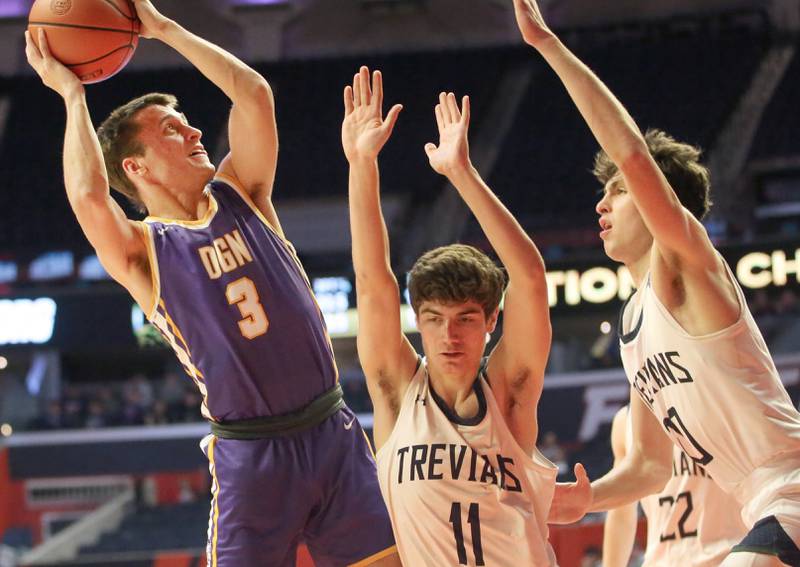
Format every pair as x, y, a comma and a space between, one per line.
114, 237
525, 345
384, 351
675, 230
253, 138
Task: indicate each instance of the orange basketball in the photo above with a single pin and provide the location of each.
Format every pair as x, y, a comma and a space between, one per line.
94, 38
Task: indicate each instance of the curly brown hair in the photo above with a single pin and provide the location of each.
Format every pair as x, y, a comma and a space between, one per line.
117, 135
680, 164
455, 274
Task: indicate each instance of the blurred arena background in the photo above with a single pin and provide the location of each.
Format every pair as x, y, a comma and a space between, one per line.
99, 428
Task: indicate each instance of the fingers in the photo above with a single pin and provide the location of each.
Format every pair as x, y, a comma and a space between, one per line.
31, 50
580, 474
44, 47
447, 119
391, 118
439, 117
366, 89
348, 100
377, 89
447, 111
357, 89
430, 147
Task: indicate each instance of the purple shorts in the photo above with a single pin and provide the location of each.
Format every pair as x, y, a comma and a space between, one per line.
319, 487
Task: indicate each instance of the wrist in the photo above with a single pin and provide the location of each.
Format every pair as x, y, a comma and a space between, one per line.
74, 93
543, 41
361, 160
162, 29
460, 171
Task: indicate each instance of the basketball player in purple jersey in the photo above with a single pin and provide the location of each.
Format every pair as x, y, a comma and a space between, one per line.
211, 268
701, 375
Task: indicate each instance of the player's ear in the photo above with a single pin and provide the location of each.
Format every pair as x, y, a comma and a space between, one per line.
133, 166
491, 321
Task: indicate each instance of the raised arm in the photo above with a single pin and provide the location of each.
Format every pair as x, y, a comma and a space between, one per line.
678, 235
619, 531
252, 130
387, 357
516, 366
118, 242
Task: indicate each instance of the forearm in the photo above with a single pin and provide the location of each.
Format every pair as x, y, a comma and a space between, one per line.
235, 78
517, 252
628, 483
609, 121
619, 534
84, 168
370, 239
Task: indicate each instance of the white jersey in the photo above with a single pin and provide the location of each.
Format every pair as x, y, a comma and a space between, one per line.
719, 398
692, 522
463, 492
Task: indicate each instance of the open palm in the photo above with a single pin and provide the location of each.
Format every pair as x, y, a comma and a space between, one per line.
364, 130
452, 153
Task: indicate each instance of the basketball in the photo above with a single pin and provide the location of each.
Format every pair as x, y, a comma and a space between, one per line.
93, 38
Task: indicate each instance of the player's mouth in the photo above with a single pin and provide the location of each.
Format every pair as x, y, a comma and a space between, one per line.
452, 355
605, 227
198, 152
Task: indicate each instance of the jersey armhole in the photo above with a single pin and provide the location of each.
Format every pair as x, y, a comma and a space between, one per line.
155, 276
234, 184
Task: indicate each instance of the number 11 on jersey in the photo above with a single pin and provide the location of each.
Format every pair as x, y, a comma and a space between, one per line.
473, 519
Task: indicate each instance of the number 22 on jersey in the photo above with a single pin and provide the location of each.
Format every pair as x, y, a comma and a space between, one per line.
244, 295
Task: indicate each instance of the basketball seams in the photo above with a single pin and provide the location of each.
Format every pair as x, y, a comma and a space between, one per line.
121, 13
112, 52
78, 26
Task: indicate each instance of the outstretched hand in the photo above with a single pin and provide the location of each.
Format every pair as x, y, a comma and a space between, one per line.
571, 500
53, 73
452, 153
364, 130
152, 21
531, 23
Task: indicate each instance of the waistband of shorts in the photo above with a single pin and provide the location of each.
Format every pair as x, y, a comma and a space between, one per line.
320, 409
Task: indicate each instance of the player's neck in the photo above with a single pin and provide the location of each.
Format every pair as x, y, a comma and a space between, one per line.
456, 391
639, 267
182, 206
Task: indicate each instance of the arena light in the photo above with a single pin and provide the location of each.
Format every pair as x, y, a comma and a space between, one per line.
27, 321
605, 327
3, 363
6, 430
14, 8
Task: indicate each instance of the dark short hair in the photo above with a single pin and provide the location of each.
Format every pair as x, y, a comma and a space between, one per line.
680, 164
117, 135
455, 274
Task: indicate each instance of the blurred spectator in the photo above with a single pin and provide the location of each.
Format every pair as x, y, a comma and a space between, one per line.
591, 557
157, 414
552, 450
97, 416
72, 407
51, 418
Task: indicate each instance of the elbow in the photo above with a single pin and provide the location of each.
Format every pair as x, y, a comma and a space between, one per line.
252, 87
658, 475
635, 157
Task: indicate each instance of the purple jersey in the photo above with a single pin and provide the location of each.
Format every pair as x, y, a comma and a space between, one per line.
234, 303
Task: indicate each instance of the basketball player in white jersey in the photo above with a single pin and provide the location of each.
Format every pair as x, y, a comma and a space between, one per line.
455, 434
691, 523
698, 366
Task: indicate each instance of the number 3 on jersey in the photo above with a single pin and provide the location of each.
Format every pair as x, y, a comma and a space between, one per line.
244, 295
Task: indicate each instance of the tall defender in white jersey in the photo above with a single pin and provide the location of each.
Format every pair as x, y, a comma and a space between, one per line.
456, 434
691, 523
698, 366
